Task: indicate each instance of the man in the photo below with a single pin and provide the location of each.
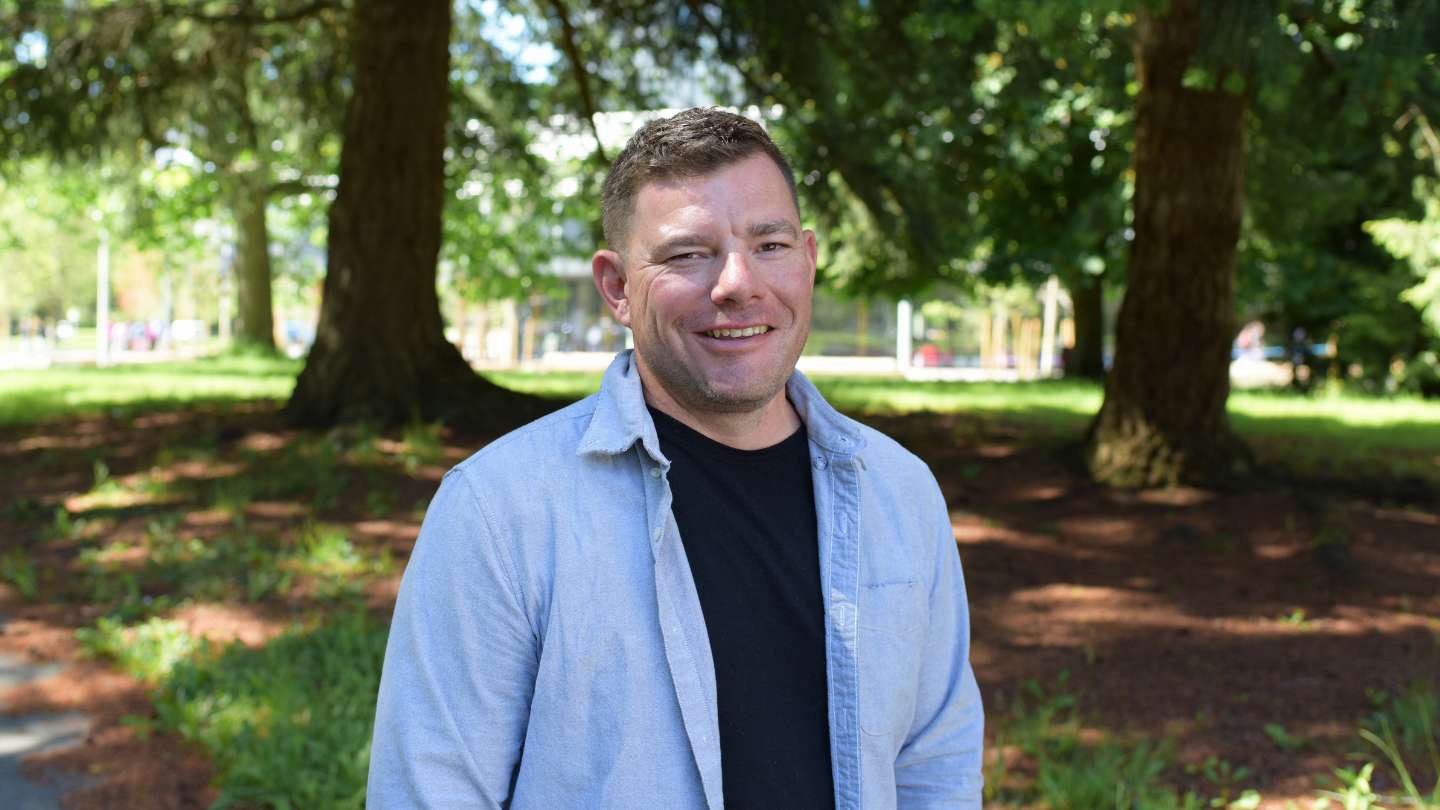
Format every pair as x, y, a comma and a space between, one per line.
702, 586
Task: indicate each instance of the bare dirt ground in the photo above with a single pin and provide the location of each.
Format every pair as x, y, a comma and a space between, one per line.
1195, 615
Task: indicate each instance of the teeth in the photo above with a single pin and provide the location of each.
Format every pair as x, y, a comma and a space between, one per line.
738, 333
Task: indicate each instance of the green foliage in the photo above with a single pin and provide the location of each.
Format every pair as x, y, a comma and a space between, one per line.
17, 567
166, 568
1405, 730
287, 724
148, 651
1355, 793
1067, 766
1282, 738
1419, 243
47, 243
421, 444
307, 470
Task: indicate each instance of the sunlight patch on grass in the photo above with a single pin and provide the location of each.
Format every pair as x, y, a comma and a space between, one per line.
39, 396
287, 723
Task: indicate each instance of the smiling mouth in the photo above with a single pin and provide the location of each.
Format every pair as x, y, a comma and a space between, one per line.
731, 334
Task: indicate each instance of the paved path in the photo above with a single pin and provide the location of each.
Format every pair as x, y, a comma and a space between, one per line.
27, 734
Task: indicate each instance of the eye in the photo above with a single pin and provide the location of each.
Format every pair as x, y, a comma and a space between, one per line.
685, 257
773, 247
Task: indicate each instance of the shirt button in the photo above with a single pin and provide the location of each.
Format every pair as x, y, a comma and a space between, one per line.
820, 462
654, 472
659, 533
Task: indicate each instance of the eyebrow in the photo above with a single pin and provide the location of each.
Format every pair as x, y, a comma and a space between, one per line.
771, 228
756, 231
664, 249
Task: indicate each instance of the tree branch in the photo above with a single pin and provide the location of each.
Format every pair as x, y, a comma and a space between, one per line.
1428, 133
301, 185
241, 18
582, 79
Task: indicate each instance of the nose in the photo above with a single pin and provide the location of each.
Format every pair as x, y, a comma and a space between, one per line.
736, 283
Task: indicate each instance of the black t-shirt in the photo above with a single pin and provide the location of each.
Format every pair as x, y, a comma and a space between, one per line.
747, 519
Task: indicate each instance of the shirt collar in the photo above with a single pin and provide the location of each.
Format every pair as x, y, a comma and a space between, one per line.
621, 419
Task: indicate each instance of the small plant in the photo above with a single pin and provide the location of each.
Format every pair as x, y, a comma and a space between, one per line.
1225, 777
17, 567
1295, 618
379, 503
62, 526
1404, 731
102, 477
422, 445
1355, 792
1283, 739
1066, 766
148, 651
1390, 748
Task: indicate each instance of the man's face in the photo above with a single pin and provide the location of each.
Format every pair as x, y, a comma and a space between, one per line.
715, 284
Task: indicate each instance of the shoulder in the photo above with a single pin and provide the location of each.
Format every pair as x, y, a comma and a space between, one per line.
548, 441
518, 470
889, 460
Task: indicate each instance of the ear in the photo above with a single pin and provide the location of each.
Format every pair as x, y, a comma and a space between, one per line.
811, 252
609, 271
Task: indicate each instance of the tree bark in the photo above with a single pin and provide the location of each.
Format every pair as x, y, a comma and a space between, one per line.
248, 200
380, 352
1163, 421
1088, 358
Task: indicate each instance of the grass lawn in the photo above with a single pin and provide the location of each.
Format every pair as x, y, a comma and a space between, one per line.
28, 397
1327, 435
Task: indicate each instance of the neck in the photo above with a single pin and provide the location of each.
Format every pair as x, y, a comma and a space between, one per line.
767, 425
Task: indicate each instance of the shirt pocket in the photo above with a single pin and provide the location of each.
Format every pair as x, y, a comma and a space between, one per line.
891, 630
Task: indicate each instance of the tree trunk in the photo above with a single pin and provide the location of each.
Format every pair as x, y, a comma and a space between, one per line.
1088, 358
380, 352
1163, 421
248, 199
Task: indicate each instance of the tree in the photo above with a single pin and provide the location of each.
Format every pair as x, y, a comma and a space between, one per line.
1163, 419
47, 244
939, 143
248, 92
380, 351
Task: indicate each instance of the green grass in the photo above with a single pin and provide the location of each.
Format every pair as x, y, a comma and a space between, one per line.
57, 393
557, 384
1045, 754
236, 566
287, 724
1329, 435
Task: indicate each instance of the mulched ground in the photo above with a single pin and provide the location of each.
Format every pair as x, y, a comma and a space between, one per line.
1198, 615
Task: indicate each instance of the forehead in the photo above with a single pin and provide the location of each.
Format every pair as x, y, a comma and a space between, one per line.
733, 196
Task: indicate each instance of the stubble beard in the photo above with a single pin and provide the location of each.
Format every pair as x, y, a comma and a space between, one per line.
697, 394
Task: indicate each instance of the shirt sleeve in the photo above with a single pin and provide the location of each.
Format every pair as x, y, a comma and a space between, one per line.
940, 762
460, 666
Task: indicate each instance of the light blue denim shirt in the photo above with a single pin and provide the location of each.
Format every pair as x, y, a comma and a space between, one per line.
548, 649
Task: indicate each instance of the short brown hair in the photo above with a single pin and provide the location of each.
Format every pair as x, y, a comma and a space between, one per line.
692, 143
